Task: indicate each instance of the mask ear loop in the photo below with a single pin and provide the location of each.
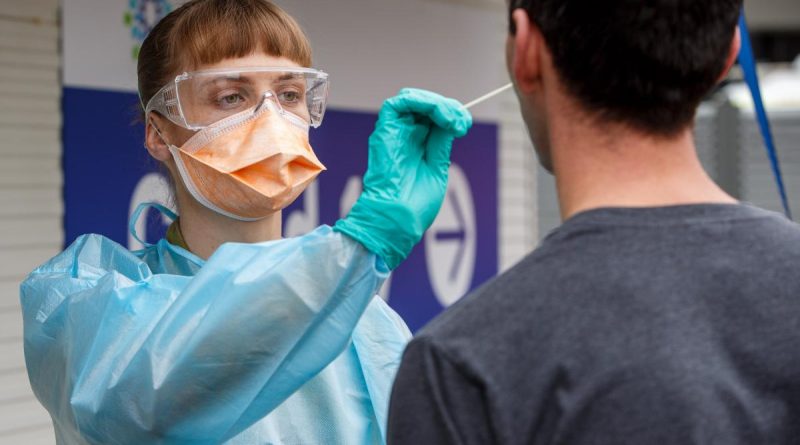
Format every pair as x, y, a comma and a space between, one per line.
138, 213
149, 123
146, 205
158, 132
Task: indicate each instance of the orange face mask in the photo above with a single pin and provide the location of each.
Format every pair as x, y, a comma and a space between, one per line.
249, 165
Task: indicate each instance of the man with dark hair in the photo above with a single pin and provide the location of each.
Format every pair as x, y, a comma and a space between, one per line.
662, 311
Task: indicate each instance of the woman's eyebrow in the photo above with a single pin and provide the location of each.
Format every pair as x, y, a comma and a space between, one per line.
221, 79
246, 79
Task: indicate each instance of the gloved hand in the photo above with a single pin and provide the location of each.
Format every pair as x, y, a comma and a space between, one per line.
406, 179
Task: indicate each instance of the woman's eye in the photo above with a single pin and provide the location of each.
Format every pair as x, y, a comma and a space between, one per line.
231, 100
289, 97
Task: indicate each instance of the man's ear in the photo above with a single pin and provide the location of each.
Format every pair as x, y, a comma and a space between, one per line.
524, 52
733, 53
154, 141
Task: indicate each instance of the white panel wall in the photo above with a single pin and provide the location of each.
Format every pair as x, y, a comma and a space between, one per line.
518, 186
30, 193
758, 182
773, 14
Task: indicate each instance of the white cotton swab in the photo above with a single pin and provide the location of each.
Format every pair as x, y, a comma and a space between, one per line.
488, 96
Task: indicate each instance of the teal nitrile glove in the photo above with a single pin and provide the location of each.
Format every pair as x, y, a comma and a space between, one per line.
406, 179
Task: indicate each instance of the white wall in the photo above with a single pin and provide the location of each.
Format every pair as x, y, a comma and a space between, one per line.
758, 185
372, 48
30, 193
773, 14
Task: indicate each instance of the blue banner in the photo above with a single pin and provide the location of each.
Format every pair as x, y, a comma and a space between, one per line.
107, 172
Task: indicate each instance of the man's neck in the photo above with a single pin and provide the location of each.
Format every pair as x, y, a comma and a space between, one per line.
205, 230
612, 166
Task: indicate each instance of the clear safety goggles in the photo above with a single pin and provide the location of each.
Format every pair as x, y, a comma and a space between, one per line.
198, 99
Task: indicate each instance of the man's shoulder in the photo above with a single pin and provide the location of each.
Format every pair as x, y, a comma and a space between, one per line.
588, 271
487, 311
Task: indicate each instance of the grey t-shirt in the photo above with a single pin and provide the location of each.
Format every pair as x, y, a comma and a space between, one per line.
669, 325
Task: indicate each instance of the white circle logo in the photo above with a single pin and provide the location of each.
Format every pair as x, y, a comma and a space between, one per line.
450, 243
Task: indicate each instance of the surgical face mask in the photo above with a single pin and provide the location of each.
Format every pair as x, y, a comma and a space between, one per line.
251, 164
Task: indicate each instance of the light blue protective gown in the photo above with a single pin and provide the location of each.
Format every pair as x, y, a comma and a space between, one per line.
281, 342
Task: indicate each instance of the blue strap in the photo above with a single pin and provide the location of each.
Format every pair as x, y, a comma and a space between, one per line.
748, 63
138, 213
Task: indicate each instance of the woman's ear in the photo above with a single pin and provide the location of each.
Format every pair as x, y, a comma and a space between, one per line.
154, 141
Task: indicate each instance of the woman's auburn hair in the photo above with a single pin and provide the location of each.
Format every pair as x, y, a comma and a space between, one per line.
205, 32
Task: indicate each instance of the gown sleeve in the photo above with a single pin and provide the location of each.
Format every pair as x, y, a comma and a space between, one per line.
118, 354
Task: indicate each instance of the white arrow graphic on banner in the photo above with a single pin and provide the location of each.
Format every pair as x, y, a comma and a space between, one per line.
450, 243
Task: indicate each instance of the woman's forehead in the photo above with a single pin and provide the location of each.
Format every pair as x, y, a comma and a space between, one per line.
258, 59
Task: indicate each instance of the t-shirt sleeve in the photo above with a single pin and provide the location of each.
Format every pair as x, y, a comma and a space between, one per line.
435, 400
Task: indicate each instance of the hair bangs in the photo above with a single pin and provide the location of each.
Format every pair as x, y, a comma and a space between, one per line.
213, 32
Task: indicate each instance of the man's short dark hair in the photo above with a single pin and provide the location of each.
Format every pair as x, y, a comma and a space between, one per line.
645, 63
